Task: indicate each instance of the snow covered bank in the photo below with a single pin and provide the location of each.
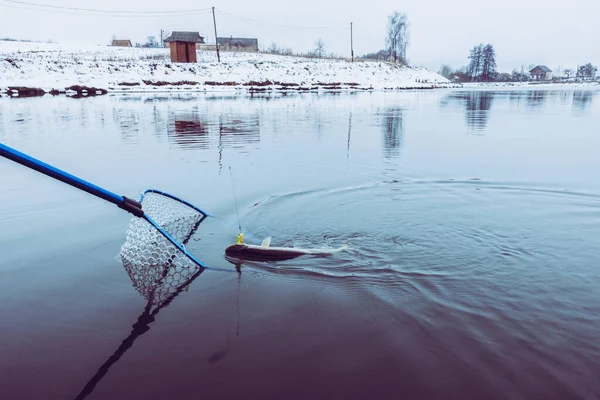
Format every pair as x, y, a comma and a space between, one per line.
530, 85
55, 67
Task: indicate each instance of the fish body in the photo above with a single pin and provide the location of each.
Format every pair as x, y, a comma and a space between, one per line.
265, 252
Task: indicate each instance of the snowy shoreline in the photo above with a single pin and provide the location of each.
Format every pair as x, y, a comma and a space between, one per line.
36, 69
54, 68
530, 85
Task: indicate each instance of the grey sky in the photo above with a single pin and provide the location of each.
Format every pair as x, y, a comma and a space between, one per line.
523, 32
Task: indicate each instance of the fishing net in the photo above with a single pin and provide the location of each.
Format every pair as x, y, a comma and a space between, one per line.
154, 253
158, 264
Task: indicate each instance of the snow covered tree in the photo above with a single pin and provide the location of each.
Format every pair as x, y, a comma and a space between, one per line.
397, 36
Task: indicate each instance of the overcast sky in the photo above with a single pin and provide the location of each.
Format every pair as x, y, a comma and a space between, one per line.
523, 32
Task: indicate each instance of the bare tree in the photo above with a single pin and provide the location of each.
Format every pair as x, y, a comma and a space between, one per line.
445, 71
397, 36
488, 65
476, 62
166, 34
558, 71
319, 48
568, 72
273, 48
151, 42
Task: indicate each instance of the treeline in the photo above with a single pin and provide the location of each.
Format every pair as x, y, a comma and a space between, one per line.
319, 51
396, 43
482, 68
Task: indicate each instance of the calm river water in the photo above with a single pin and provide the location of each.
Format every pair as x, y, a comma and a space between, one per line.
472, 220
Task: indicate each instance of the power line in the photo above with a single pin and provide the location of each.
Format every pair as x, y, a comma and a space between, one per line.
100, 15
269, 25
196, 10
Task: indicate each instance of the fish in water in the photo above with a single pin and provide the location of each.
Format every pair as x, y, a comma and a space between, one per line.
265, 252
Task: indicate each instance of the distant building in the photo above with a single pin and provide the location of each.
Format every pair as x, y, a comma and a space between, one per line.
121, 43
237, 44
183, 46
541, 73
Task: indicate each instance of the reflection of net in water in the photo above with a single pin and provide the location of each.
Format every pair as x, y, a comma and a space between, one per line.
158, 269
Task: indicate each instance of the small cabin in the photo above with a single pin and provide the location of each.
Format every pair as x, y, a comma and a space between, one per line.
541, 73
237, 44
183, 46
121, 43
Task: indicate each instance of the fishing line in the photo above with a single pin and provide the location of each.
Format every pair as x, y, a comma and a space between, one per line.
239, 284
235, 199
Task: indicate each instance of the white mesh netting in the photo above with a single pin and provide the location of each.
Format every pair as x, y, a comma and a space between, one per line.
155, 265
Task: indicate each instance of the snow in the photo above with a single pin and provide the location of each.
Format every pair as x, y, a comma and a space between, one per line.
530, 85
56, 66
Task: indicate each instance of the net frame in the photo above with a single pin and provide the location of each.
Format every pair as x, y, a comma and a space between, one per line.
154, 253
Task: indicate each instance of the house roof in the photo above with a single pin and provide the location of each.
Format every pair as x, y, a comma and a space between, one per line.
237, 41
121, 43
543, 68
189, 37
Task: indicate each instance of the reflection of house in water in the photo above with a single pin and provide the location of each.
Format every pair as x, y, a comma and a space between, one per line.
582, 99
477, 107
393, 132
187, 130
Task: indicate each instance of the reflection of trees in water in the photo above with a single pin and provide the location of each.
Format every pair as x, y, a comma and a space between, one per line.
393, 132
582, 99
128, 122
349, 133
564, 98
516, 98
237, 131
477, 106
536, 98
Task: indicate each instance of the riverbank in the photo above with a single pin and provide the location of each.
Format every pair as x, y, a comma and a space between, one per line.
56, 69
531, 85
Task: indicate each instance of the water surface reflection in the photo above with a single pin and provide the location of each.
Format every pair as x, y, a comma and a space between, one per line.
453, 279
393, 132
477, 106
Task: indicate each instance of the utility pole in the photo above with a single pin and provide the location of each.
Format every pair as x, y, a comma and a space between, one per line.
351, 43
162, 44
216, 41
